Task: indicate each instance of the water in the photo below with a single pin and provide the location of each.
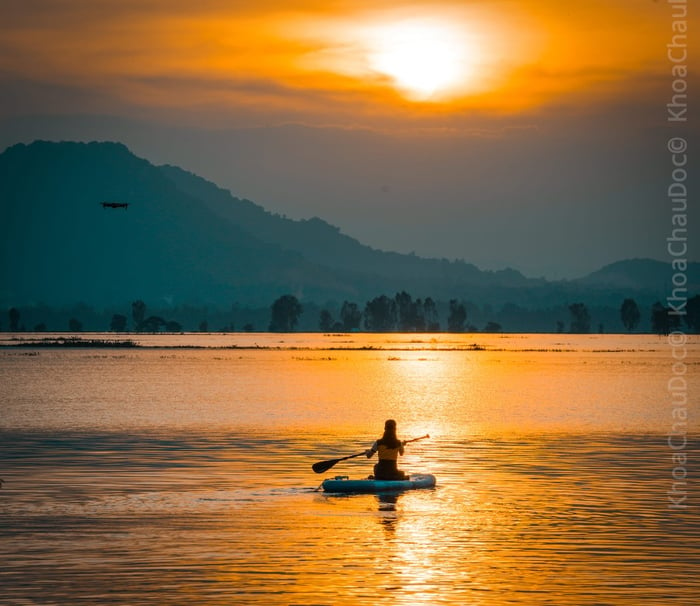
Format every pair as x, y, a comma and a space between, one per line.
171, 475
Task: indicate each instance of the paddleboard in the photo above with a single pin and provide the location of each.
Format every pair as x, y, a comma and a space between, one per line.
345, 484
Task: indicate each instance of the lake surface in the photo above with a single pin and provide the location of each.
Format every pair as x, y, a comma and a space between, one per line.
180, 471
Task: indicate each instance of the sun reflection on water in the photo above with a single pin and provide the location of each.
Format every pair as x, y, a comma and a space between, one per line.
191, 481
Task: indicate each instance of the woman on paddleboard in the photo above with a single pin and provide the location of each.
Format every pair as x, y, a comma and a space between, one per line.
388, 447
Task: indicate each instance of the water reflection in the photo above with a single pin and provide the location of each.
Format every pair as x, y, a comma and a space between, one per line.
87, 517
183, 476
388, 513
444, 392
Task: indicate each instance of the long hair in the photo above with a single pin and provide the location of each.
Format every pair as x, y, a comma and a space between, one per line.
389, 438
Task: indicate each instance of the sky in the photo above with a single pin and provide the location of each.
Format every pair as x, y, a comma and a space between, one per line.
530, 135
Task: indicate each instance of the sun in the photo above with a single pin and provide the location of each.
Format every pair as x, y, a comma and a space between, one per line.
425, 59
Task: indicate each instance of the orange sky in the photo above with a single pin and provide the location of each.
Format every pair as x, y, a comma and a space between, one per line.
312, 61
482, 130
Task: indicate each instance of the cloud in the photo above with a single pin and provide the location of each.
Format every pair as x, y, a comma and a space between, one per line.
563, 151
291, 61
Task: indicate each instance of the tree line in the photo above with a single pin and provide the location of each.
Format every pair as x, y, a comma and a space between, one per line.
404, 314
400, 313
382, 314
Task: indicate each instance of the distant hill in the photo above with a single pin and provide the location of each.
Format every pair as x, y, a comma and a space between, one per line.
323, 243
60, 245
182, 240
640, 275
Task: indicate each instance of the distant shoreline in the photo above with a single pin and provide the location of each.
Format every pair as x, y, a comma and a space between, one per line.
419, 344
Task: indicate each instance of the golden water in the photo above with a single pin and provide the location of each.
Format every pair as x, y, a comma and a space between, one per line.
173, 476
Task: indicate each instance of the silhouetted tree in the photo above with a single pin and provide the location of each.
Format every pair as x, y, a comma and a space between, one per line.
14, 319
75, 325
41, 327
204, 326
662, 321
629, 314
560, 326
173, 326
325, 321
430, 315
410, 313
152, 324
380, 314
418, 316
458, 316
285, 313
138, 313
118, 323
692, 317
249, 328
659, 319
493, 327
405, 311
350, 316
580, 318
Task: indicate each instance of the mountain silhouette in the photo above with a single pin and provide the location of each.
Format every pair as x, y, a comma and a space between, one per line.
639, 275
182, 239
62, 245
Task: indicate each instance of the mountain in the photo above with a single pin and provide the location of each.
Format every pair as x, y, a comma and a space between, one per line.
60, 244
645, 280
182, 239
644, 275
323, 243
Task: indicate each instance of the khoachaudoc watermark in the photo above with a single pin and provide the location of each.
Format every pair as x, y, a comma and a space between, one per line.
677, 248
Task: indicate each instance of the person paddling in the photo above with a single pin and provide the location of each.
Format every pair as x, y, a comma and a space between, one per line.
388, 447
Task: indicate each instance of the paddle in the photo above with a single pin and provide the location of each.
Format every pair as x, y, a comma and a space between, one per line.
322, 466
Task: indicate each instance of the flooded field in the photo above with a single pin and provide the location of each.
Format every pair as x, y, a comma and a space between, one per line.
180, 471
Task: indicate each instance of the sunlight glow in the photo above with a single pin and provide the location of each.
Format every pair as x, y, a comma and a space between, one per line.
423, 58
350, 63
